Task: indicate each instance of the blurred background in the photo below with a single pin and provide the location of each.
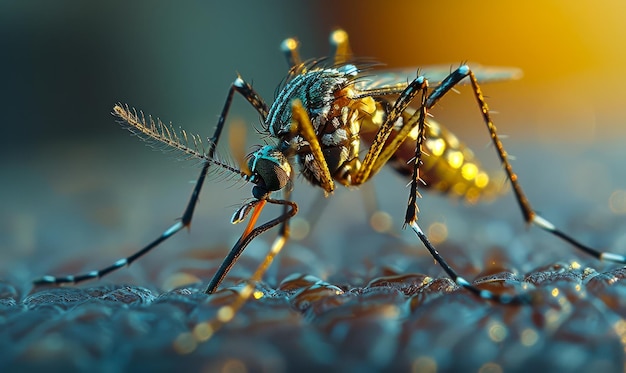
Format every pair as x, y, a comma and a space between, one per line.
74, 184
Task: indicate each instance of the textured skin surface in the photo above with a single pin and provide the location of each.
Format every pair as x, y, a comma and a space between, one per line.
364, 301
367, 318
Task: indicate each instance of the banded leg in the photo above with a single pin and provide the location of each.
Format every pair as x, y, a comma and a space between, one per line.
407, 127
411, 220
369, 166
290, 209
240, 86
529, 214
204, 330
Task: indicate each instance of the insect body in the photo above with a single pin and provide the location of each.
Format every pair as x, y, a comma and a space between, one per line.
325, 97
450, 167
345, 109
323, 114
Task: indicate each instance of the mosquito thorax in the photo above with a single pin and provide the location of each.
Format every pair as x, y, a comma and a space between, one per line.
270, 171
328, 96
316, 90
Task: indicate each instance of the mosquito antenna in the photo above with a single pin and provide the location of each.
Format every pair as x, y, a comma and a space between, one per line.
154, 130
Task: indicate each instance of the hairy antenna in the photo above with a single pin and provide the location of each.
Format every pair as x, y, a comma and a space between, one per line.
151, 129
157, 131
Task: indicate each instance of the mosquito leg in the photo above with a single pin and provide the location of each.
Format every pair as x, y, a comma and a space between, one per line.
289, 210
287, 206
412, 209
204, 330
74, 279
420, 118
304, 128
290, 48
411, 220
514, 299
239, 85
340, 47
530, 215
367, 169
236, 251
249, 234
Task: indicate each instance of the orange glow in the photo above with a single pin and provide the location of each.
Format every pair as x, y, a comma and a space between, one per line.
570, 52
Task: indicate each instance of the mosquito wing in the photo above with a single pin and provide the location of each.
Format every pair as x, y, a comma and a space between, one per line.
393, 81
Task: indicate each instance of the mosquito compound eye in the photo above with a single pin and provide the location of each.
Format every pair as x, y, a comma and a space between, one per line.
272, 169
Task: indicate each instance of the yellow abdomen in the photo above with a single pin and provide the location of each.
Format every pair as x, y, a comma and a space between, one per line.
448, 165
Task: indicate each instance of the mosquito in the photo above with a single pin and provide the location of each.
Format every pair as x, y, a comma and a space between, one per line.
324, 111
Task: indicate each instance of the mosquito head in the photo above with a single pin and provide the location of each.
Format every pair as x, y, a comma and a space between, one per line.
270, 169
